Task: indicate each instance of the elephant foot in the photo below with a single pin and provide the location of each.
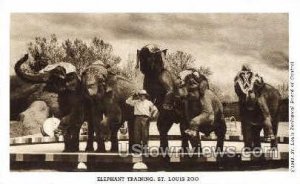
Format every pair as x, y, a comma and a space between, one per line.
190, 132
197, 149
89, 149
274, 143
184, 150
273, 149
75, 149
100, 150
257, 148
114, 150
219, 150
114, 147
247, 149
163, 149
67, 151
71, 149
270, 138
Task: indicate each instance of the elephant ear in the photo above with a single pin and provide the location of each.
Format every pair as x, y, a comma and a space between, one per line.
203, 84
238, 89
258, 84
155, 64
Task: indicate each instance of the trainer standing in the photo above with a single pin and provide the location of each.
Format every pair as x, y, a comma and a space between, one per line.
144, 109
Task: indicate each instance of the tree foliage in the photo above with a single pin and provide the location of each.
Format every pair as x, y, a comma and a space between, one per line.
283, 90
132, 73
179, 61
76, 52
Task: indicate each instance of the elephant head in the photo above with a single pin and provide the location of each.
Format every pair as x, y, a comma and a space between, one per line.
99, 79
55, 76
192, 82
247, 86
150, 59
94, 79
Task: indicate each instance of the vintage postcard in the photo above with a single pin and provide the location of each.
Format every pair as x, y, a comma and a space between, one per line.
157, 92
150, 93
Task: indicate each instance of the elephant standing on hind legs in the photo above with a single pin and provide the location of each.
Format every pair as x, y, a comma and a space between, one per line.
259, 105
160, 85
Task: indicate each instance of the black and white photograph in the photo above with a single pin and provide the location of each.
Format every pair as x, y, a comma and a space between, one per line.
130, 92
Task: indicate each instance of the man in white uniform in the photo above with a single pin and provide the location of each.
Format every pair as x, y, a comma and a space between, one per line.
143, 110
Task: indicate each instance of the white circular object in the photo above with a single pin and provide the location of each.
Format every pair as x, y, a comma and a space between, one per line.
50, 125
140, 166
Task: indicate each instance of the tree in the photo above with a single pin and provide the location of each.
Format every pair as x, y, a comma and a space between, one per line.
76, 52
45, 52
179, 61
204, 71
130, 71
283, 90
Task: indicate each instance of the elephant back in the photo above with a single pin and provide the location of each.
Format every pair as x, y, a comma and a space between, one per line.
124, 89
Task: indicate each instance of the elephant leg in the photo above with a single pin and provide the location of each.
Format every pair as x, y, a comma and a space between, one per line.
75, 139
184, 137
247, 135
100, 146
220, 132
90, 141
130, 124
196, 143
114, 142
274, 143
256, 138
114, 138
164, 125
100, 142
268, 128
67, 141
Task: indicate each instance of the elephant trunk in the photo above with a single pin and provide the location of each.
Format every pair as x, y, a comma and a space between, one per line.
251, 100
29, 77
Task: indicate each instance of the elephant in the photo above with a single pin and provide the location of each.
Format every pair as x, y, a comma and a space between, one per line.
161, 85
259, 105
203, 109
106, 94
174, 99
66, 83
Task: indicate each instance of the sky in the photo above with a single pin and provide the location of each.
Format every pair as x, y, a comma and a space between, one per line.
222, 42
